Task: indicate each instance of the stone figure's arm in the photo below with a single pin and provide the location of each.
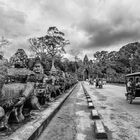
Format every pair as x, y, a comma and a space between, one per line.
29, 89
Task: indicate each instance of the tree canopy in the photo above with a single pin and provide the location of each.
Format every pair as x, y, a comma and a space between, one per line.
20, 58
52, 43
116, 64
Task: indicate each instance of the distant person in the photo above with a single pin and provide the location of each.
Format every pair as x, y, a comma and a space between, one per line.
90, 81
129, 84
138, 82
100, 82
97, 83
104, 82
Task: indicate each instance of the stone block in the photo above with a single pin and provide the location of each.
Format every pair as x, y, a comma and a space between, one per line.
100, 132
94, 114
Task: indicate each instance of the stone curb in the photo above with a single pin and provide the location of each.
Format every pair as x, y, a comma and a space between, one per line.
100, 132
87, 96
84, 90
33, 129
99, 129
89, 100
90, 105
94, 114
86, 93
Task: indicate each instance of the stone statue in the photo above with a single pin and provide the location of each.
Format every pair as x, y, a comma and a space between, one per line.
3, 74
14, 92
41, 89
18, 87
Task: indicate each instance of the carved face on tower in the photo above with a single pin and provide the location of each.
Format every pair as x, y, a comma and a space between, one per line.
38, 68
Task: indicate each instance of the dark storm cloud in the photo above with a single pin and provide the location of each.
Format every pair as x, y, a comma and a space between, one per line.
102, 33
111, 37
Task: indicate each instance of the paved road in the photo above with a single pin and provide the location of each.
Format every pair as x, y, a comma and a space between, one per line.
121, 118
72, 122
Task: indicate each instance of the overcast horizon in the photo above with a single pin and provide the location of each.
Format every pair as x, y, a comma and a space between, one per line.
89, 25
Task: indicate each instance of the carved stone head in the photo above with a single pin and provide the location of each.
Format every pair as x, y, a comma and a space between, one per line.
38, 68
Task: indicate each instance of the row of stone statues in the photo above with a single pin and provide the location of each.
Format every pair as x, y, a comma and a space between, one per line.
23, 90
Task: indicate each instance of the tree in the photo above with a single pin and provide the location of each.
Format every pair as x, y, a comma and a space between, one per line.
101, 63
116, 64
128, 55
19, 59
52, 44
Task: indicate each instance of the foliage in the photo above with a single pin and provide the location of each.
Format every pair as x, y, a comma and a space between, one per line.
112, 64
52, 43
20, 58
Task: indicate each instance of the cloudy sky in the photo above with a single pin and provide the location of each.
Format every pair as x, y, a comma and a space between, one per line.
90, 25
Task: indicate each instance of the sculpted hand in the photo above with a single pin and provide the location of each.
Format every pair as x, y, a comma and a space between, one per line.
21, 101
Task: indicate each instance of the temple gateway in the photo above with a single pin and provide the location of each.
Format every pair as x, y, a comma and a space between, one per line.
85, 71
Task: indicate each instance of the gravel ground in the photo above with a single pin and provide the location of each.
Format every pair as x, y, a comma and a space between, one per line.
121, 119
72, 122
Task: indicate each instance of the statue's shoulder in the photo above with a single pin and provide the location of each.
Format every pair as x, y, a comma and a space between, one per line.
46, 76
